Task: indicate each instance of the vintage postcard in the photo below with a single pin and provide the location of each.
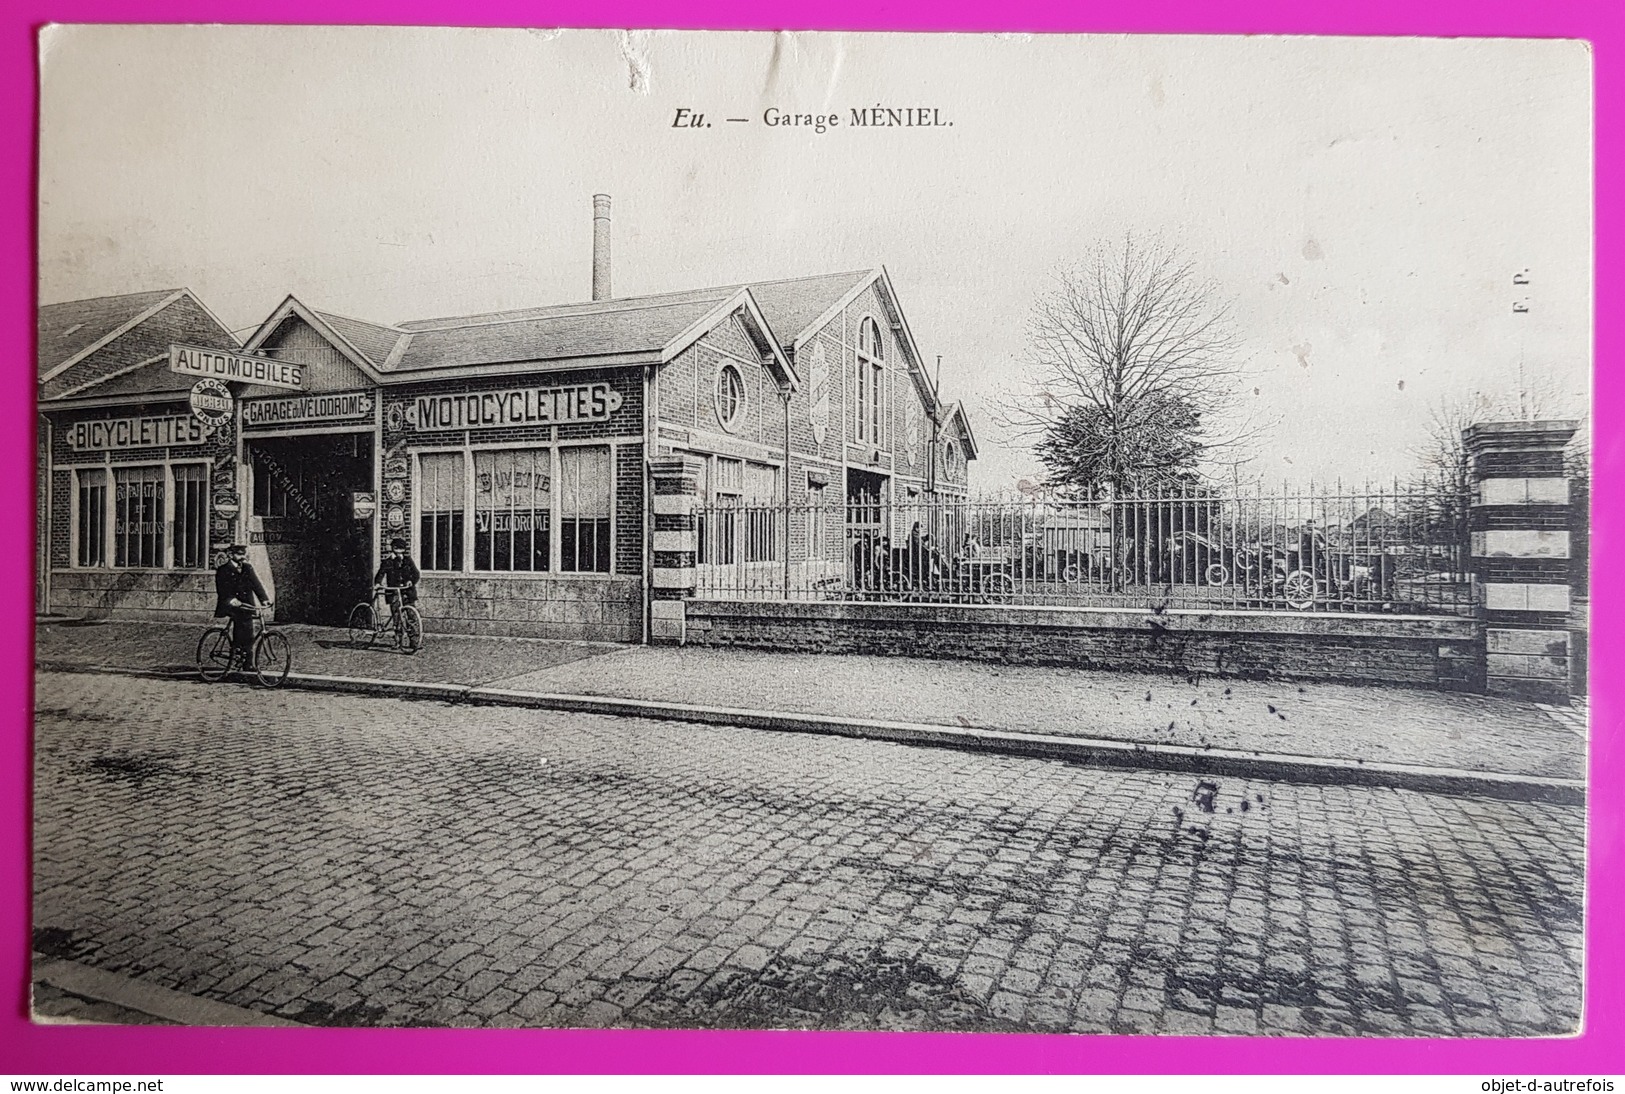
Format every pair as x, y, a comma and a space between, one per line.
812, 531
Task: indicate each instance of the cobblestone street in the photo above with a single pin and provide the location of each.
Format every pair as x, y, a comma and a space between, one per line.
359, 861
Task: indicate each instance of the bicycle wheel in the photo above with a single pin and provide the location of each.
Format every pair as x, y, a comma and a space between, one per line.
1000, 585
363, 627
214, 654
411, 624
1300, 590
273, 657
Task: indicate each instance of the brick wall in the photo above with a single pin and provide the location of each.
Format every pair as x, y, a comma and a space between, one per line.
1415, 651
134, 594
182, 321
592, 607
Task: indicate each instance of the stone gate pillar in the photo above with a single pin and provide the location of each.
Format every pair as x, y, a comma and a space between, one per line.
674, 486
1519, 525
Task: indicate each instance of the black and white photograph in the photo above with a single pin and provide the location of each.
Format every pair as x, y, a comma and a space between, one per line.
812, 531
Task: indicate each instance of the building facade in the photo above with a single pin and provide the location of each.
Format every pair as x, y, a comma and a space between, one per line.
511, 450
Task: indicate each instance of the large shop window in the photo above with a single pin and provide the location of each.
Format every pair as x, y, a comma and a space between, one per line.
440, 510
91, 520
138, 516
586, 485
191, 516
762, 516
512, 511
149, 517
719, 526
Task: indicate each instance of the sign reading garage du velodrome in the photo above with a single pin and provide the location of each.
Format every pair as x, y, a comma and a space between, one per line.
221, 365
514, 406
298, 409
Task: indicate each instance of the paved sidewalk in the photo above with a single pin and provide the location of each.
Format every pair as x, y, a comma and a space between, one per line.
1360, 725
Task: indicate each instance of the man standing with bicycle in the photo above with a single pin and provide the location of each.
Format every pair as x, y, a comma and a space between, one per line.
238, 596
398, 576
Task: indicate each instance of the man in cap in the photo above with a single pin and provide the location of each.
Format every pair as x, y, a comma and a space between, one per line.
238, 595
398, 575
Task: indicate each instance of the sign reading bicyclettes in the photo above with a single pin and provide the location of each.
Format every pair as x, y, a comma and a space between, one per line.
220, 365
514, 406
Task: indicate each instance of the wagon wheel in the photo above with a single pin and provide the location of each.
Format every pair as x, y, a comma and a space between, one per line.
1216, 574
1300, 589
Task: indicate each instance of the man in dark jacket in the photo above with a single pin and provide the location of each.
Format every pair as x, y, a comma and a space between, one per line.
398, 572
237, 594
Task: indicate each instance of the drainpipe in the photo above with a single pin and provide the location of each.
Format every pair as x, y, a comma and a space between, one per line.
651, 433
44, 561
784, 397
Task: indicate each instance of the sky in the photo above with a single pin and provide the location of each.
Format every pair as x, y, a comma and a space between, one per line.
1361, 205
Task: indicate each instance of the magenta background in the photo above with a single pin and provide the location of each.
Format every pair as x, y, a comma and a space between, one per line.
26, 1049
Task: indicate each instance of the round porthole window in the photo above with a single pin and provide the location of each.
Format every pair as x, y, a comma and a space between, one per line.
730, 396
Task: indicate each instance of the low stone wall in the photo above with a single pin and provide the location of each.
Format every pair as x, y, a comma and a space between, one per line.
1421, 651
168, 596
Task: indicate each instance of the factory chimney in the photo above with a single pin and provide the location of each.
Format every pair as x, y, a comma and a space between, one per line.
600, 247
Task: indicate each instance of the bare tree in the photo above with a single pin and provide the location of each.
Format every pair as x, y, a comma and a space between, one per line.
1437, 500
1134, 365
1442, 454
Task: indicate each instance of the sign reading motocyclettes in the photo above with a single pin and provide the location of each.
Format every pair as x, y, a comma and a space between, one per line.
220, 365
514, 406
117, 433
338, 406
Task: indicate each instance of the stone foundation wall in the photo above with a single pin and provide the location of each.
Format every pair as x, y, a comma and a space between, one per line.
1445, 653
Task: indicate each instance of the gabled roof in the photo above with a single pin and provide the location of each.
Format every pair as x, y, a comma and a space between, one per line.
72, 330
652, 329
105, 346
292, 308
957, 411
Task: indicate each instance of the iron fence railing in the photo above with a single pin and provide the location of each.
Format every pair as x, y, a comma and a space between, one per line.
1398, 550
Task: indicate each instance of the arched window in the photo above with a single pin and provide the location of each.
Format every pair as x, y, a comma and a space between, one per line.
730, 396
950, 456
871, 360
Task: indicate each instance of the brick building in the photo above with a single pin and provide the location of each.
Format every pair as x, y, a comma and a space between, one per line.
133, 487
510, 449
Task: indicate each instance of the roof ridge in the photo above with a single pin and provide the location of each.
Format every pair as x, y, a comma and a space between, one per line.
452, 321
354, 319
117, 296
521, 315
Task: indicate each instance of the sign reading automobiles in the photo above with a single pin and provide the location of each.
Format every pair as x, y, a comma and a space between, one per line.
220, 365
514, 406
288, 410
818, 393
211, 403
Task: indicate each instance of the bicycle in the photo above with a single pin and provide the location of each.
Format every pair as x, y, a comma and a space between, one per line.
368, 624
269, 659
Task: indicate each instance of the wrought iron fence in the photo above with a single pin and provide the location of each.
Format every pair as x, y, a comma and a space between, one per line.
1398, 550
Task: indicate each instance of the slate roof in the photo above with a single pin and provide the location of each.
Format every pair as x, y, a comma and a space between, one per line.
68, 329
629, 325
625, 327
375, 341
